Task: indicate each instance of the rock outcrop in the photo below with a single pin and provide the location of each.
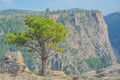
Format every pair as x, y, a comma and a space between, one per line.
110, 73
91, 35
13, 62
87, 36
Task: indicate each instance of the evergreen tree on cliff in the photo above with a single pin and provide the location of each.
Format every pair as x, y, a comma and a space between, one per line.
43, 36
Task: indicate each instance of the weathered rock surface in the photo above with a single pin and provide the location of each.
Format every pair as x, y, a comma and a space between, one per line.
110, 73
91, 36
87, 36
13, 62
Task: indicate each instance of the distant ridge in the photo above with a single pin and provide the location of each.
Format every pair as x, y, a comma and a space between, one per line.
20, 11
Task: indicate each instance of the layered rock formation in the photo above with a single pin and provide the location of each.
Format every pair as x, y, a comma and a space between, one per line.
87, 36
87, 32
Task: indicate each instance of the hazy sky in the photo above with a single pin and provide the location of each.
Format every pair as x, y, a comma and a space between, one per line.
106, 6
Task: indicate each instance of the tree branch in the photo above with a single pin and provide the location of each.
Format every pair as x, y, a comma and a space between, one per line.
33, 48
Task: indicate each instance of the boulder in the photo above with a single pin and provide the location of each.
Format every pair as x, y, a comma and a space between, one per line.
57, 73
14, 58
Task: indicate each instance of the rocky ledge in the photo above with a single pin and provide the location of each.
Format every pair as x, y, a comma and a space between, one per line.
25, 76
110, 73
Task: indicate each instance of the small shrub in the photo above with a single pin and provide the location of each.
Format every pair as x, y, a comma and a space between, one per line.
33, 72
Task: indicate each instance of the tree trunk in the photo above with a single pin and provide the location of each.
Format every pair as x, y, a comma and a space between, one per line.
44, 58
44, 67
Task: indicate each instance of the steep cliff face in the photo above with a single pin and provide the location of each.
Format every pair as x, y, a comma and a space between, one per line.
87, 37
93, 35
88, 34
